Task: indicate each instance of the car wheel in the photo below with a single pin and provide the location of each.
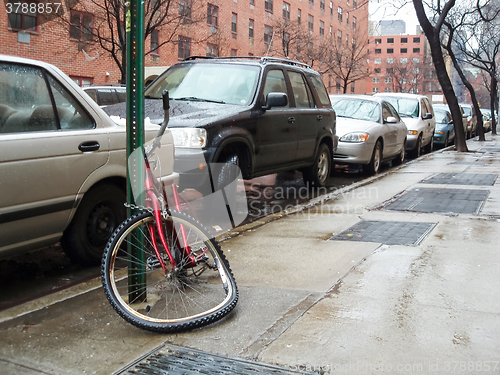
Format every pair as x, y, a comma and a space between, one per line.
98, 215
318, 173
374, 166
430, 147
401, 157
415, 153
446, 141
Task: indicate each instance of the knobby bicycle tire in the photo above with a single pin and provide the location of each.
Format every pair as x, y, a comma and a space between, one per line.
182, 299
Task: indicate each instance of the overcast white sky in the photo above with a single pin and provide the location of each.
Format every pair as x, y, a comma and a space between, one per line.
388, 10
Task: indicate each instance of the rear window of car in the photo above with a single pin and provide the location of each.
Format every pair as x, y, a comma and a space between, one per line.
321, 90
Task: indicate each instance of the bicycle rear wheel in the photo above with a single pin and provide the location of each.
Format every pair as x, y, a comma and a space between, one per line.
181, 299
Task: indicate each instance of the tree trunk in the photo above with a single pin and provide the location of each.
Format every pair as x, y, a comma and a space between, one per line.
124, 64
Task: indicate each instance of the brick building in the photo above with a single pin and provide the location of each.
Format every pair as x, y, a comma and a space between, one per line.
205, 28
401, 63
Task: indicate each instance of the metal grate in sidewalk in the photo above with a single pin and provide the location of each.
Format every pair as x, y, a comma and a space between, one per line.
176, 360
386, 232
472, 179
459, 201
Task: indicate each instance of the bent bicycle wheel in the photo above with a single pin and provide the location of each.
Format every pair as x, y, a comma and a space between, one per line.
185, 297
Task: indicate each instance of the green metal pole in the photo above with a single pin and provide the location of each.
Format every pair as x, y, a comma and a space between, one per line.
135, 138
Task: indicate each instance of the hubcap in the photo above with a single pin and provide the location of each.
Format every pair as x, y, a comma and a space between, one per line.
101, 224
322, 167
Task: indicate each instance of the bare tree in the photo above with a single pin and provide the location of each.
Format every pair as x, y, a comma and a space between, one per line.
105, 26
432, 31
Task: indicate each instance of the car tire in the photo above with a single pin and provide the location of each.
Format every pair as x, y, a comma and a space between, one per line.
101, 211
317, 175
376, 161
446, 141
415, 153
401, 157
429, 147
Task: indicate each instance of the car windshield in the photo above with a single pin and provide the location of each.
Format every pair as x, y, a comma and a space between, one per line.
467, 111
406, 107
357, 109
219, 83
441, 116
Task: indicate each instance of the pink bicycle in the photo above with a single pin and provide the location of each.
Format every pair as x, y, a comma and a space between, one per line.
162, 270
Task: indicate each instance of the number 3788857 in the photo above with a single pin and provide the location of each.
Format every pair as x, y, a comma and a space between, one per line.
33, 8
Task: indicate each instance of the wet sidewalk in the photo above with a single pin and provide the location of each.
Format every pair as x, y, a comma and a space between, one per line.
395, 274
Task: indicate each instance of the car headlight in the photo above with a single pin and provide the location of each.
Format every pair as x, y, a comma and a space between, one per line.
189, 137
354, 137
439, 132
412, 132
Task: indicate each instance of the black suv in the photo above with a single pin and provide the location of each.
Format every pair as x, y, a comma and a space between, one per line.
265, 115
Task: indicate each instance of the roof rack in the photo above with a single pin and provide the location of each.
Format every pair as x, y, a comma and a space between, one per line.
263, 59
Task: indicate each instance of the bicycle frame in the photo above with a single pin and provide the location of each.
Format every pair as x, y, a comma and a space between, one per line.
159, 207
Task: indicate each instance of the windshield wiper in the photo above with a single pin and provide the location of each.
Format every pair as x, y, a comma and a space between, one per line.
195, 99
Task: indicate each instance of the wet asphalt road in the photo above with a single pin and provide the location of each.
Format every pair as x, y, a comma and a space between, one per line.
48, 270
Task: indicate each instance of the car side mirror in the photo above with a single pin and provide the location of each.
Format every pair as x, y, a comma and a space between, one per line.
275, 99
451, 122
427, 116
391, 120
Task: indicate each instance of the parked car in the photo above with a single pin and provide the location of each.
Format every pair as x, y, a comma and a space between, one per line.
444, 134
486, 119
445, 107
471, 119
265, 115
416, 111
62, 163
369, 130
105, 95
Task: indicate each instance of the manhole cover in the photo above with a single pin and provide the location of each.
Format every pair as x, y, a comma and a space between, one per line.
459, 201
175, 360
386, 232
473, 179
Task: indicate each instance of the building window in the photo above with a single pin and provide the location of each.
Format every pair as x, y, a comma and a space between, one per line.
378, 51
404, 40
268, 34
80, 26
378, 41
299, 16
339, 14
21, 16
374, 90
331, 9
403, 60
416, 60
310, 23
388, 79
322, 6
234, 18
389, 70
354, 23
347, 18
212, 15
416, 50
82, 81
375, 80
252, 2
378, 70
390, 60
403, 50
268, 5
321, 29
390, 40
352, 88
387, 89
339, 37
185, 8
286, 11
311, 3
390, 50
416, 40
211, 50
154, 41
378, 61
250, 28
184, 47
354, 4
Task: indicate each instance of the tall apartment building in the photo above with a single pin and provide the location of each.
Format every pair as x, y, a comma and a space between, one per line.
401, 63
206, 28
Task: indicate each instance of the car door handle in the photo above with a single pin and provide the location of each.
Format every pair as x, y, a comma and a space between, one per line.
89, 146
291, 120
319, 118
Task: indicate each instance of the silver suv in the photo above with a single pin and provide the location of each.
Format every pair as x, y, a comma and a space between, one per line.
105, 95
62, 163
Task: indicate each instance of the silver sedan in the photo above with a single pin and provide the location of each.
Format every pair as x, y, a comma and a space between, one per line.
370, 131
